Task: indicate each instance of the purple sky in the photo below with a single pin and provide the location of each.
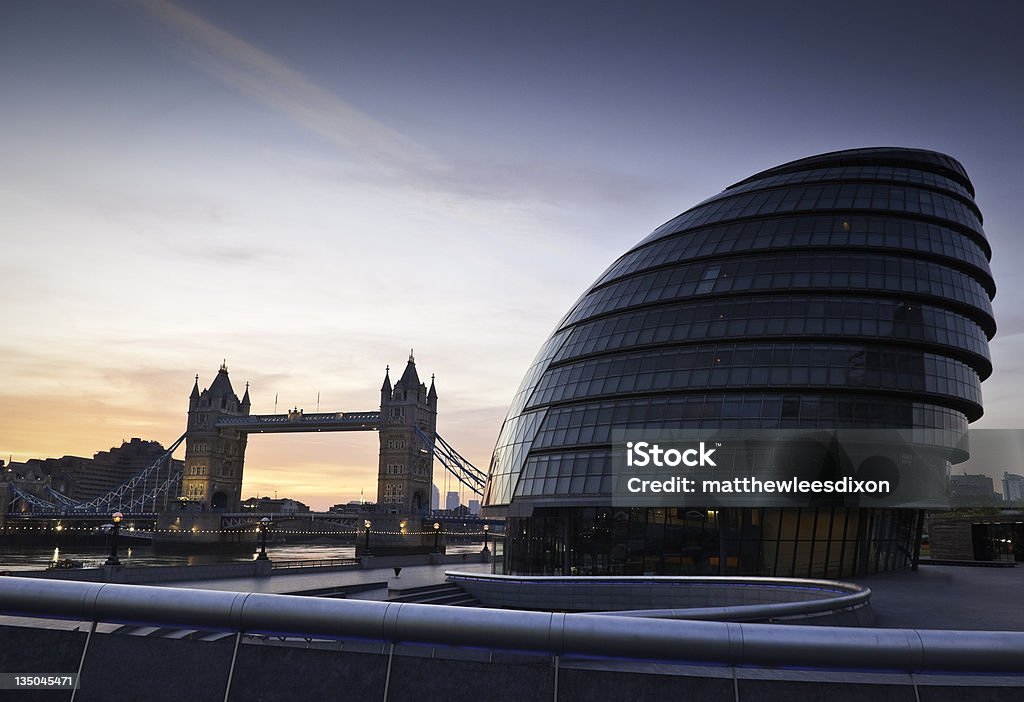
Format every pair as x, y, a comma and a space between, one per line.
310, 188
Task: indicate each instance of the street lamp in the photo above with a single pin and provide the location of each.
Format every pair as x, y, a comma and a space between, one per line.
487, 528
113, 560
366, 547
264, 525
437, 534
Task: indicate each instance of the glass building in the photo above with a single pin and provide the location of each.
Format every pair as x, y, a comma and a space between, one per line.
849, 289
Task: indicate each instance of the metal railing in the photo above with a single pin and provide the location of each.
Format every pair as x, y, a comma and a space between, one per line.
315, 563
778, 598
718, 643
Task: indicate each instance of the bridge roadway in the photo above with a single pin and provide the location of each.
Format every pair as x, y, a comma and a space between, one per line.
297, 421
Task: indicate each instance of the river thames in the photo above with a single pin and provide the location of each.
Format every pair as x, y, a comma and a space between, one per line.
24, 557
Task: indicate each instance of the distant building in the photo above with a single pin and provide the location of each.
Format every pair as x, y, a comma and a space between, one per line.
64, 474
973, 537
275, 506
113, 468
971, 490
474, 507
1013, 487
5, 492
435, 498
85, 479
452, 501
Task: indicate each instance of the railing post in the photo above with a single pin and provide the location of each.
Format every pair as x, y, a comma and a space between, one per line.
555, 686
81, 661
387, 676
231, 670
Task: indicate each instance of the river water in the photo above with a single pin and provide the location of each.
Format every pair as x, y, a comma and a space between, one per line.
37, 558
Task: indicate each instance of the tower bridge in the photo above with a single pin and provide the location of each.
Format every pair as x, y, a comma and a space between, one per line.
219, 424
216, 435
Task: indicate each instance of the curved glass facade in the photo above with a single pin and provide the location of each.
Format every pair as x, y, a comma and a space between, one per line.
849, 289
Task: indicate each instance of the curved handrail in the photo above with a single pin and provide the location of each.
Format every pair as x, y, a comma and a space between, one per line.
835, 648
815, 583
847, 596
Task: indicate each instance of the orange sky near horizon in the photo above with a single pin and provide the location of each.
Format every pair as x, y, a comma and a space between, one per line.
320, 469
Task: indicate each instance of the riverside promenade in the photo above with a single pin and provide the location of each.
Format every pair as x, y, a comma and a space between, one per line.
276, 647
410, 577
965, 598
291, 580
934, 597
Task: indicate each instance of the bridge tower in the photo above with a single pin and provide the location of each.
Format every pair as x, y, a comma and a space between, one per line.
406, 471
214, 455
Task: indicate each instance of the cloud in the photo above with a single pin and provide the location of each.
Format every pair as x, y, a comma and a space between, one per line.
272, 83
392, 155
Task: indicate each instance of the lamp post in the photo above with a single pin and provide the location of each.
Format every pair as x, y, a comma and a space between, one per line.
437, 534
487, 529
366, 546
113, 560
56, 544
264, 525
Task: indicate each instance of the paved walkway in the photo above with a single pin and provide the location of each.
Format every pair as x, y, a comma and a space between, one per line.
411, 576
935, 597
949, 597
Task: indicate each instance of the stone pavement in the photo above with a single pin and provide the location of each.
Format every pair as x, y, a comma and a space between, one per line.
935, 597
411, 576
949, 597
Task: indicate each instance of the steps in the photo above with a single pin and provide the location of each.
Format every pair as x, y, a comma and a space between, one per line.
442, 594
341, 591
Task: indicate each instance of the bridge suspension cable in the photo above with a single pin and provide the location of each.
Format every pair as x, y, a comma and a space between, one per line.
132, 496
464, 471
30, 499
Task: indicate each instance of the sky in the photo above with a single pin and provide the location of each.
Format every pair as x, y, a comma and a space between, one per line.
307, 190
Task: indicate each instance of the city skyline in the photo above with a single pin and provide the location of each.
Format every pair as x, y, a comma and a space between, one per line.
308, 192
